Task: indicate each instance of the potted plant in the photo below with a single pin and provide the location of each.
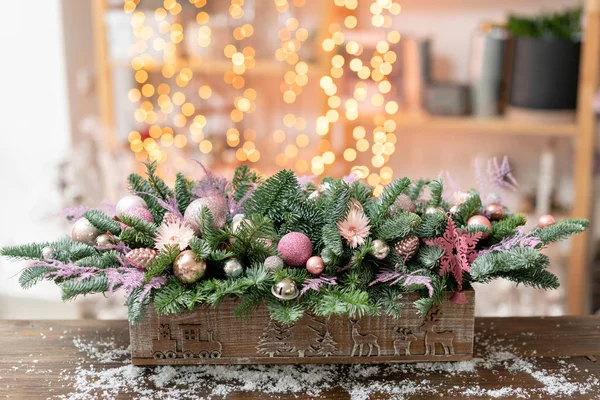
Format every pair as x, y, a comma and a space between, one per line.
545, 61
280, 270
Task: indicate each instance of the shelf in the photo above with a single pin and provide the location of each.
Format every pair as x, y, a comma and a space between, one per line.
470, 124
264, 67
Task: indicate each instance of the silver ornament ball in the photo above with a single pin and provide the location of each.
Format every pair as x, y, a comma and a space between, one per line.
84, 232
380, 249
285, 289
105, 240
48, 253
233, 268
434, 210
273, 262
187, 269
128, 202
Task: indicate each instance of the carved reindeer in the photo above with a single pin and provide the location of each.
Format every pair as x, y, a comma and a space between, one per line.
404, 337
360, 340
445, 339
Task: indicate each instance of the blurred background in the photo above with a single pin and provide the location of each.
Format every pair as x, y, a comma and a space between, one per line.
384, 88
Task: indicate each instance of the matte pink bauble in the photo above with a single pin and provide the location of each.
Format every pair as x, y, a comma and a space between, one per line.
315, 265
295, 248
481, 220
546, 220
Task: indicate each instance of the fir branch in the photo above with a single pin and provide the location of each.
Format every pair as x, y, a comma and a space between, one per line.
173, 298
108, 259
432, 225
271, 198
387, 298
183, 192
33, 274
143, 188
30, 251
332, 239
416, 189
163, 262
337, 202
142, 226
560, 230
161, 189
136, 306
75, 287
506, 227
399, 226
200, 248
103, 222
436, 188
466, 210
284, 312
136, 239
523, 259
379, 212
354, 303
244, 181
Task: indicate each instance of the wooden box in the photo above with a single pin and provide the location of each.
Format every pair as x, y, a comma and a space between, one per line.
216, 336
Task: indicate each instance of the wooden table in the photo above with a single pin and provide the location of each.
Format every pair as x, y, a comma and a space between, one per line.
526, 357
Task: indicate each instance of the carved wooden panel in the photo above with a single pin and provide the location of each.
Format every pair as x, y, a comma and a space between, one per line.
216, 336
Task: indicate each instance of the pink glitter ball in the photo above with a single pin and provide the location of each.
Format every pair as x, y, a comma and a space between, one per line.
139, 212
295, 248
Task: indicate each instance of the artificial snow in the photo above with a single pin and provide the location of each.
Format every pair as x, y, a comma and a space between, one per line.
104, 371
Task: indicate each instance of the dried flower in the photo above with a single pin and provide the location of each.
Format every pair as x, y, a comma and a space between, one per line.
174, 234
355, 228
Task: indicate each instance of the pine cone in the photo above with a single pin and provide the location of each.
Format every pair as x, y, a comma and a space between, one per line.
408, 247
402, 203
141, 258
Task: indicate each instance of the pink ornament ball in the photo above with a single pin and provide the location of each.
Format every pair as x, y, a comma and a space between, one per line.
546, 220
315, 265
295, 248
138, 212
480, 220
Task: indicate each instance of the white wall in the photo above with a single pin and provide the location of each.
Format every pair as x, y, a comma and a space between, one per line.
34, 132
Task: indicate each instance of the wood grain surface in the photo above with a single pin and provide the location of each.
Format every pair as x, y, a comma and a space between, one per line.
213, 336
39, 359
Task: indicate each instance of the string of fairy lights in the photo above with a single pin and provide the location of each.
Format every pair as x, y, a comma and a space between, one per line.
173, 119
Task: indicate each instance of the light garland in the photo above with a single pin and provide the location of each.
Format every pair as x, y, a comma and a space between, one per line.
168, 110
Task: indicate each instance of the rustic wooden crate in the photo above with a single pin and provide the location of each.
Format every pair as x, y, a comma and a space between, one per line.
216, 336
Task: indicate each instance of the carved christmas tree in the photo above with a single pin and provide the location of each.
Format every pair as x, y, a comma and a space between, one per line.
305, 337
327, 346
273, 339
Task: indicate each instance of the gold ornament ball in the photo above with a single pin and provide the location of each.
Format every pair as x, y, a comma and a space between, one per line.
105, 240
187, 269
233, 268
434, 210
285, 289
84, 232
315, 265
546, 220
494, 211
481, 220
380, 249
